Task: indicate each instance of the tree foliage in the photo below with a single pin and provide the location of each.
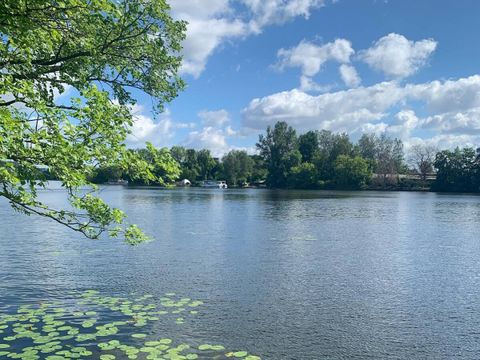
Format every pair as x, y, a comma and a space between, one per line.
352, 172
279, 149
308, 145
384, 154
164, 169
237, 167
100, 51
457, 170
303, 176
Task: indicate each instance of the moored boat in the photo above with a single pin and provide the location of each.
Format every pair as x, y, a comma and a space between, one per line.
212, 184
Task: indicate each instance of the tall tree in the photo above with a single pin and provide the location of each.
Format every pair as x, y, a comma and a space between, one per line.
190, 168
330, 147
206, 164
367, 148
279, 149
179, 153
259, 171
457, 170
389, 158
237, 167
422, 158
99, 51
308, 145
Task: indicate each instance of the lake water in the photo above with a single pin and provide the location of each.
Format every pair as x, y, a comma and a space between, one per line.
281, 274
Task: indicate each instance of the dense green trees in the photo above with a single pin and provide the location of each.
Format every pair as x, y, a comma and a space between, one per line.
384, 154
314, 160
279, 150
322, 159
237, 167
162, 167
458, 170
160, 163
352, 172
308, 146
102, 51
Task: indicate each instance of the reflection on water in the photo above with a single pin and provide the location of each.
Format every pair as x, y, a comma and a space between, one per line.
283, 274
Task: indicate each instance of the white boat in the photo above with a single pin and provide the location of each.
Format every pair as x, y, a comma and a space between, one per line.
118, 182
212, 184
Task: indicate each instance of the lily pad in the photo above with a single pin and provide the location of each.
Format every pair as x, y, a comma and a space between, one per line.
107, 357
240, 354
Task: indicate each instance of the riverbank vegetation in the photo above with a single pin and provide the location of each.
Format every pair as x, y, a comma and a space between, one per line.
312, 160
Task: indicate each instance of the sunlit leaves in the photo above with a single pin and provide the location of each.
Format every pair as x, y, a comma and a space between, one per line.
98, 50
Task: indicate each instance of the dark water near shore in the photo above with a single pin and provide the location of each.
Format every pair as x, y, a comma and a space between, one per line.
282, 274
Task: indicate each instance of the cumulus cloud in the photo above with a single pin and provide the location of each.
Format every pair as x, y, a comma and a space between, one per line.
214, 22
215, 134
308, 85
203, 37
452, 109
405, 122
266, 12
396, 56
159, 132
349, 75
214, 118
341, 110
310, 57
448, 96
445, 141
455, 122
208, 138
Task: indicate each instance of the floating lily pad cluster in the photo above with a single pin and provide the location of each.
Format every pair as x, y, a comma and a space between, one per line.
49, 331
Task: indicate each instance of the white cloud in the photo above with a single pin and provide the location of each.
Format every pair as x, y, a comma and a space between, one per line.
452, 109
208, 138
349, 75
450, 95
445, 141
405, 122
308, 85
214, 118
213, 22
342, 110
266, 12
158, 132
455, 122
216, 133
398, 57
310, 57
203, 37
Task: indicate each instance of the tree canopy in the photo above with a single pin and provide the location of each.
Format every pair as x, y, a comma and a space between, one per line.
279, 148
102, 52
458, 170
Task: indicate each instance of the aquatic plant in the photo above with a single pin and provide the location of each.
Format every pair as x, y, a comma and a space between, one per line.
53, 331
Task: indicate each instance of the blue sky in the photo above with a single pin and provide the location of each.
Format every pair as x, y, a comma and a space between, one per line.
404, 67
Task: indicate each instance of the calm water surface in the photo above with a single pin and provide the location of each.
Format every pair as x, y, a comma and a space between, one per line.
285, 275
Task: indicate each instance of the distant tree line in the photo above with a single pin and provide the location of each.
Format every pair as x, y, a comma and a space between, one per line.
312, 160
322, 159
169, 165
